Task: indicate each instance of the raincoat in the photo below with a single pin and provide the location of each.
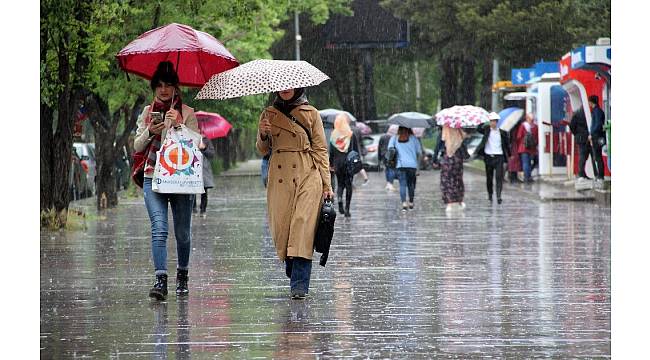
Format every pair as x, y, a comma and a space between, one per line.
298, 176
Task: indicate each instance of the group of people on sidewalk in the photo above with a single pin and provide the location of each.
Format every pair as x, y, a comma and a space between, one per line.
300, 160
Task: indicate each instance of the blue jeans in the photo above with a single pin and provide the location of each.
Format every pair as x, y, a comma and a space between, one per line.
299, 270
265, 171
406, 180
526, 165
181, 205
390, 175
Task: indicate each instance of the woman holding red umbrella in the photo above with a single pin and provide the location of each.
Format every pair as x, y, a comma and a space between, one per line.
165, 111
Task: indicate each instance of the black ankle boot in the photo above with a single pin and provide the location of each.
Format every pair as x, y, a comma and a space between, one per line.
181, 282
340, 201
159, 289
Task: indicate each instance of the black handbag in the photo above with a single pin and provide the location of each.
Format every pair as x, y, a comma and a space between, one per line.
325, 230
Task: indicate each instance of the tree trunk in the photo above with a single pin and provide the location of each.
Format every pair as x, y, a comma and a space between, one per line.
468, 82
62, 144
47, 159
448, 83
486, 82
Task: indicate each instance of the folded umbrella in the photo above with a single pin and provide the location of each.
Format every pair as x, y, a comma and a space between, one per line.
261, 76
462, 116
410, 120
212, 125
195, 54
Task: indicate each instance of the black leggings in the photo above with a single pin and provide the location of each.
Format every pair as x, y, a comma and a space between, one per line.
344, 183
204, 201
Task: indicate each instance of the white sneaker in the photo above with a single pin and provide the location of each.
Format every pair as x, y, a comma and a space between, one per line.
388, 186
462, 205
405, 206
411, 205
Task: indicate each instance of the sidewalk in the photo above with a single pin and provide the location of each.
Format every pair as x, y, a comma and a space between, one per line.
248, 168
550, 189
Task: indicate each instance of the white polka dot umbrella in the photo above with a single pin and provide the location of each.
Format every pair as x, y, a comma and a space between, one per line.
462, 116
261, 76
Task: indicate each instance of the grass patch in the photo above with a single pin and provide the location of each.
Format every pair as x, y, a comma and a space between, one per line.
71, 219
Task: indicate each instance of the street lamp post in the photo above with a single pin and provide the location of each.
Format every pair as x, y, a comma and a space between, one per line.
298, 37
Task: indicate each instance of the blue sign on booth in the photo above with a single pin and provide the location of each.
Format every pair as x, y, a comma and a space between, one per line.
545, 67
521, 76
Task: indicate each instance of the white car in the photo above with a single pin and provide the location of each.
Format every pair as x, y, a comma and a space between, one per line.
371, 144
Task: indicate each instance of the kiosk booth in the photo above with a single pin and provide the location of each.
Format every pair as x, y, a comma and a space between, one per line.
586, 71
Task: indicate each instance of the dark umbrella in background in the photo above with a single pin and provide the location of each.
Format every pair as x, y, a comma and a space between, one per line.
328, 115
195, 54
213, 125
410, 120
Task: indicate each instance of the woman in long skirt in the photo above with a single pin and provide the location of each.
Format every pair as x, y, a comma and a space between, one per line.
451, 172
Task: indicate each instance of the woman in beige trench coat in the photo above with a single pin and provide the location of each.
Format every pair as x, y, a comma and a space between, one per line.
298, 181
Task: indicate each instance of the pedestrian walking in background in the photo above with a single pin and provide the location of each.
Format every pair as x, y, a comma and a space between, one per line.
408, 150
341, 142
514, 162
527, 146
207, 149
439, 151
150, 133
451, 169
362, 151
580, 131
298, 181
494, 149
382, 149
265, 168
597, 137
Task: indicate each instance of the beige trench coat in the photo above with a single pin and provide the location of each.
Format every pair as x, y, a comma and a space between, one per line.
298, 176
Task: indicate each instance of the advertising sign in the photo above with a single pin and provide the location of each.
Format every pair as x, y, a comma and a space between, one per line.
521, 76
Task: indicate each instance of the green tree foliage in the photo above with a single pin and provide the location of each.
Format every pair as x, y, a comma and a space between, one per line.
464, 34
79, 40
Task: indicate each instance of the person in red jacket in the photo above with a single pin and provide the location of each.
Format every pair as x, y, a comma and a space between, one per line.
527, 149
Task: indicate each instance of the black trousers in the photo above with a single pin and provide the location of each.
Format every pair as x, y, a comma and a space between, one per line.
494, 163
598, 157
585, 151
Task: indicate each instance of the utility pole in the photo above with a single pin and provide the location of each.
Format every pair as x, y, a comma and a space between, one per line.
417, 88
298, 37
495, 78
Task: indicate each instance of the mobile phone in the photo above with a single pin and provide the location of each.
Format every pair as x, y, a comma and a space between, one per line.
156, 117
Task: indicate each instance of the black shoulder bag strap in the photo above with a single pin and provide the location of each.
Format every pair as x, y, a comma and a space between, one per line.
295, 121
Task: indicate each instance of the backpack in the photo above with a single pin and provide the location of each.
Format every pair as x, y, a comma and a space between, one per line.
391, 157
529, 141
353, 162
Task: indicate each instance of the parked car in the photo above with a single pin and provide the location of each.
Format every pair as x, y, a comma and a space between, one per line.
86, 152
471, 142
426, 160
371, 143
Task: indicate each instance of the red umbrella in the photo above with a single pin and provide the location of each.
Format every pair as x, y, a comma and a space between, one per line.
213, 125
199, 54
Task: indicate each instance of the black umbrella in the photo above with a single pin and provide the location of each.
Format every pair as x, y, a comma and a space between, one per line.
328, 115
410, 120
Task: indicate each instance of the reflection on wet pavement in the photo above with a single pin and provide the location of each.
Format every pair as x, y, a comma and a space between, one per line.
524, 279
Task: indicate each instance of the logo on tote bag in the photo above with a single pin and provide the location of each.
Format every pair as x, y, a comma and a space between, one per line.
178, 158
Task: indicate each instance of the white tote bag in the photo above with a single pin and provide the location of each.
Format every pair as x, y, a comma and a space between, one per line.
179, 163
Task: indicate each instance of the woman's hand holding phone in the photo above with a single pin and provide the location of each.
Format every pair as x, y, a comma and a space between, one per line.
157, 125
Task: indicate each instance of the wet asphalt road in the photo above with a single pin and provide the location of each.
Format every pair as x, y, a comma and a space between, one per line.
525, 279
